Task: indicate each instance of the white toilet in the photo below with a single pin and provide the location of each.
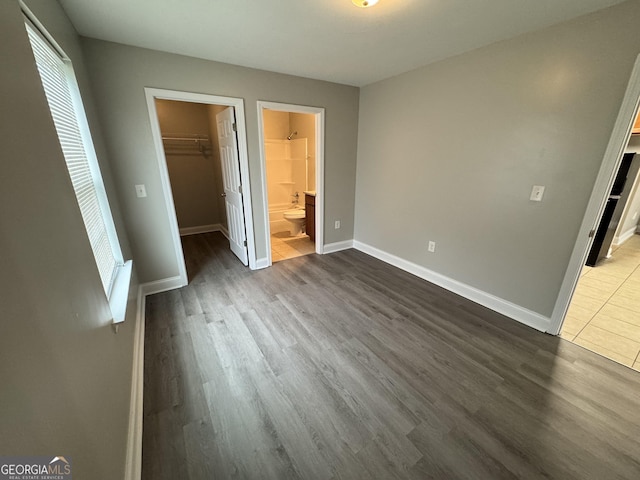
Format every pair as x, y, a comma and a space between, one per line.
296, 217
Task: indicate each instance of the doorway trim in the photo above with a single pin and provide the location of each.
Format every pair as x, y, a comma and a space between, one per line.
611, 162
319, 155
151, 95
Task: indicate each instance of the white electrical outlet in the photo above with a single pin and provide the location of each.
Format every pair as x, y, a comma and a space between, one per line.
635, 215
432, 246
536, 193
141, 191
337, 224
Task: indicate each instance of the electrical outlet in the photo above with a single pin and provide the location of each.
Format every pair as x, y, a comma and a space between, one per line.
141, 191
635, 215
432, 246
337, 224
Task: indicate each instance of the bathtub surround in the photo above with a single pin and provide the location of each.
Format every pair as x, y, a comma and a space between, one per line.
286, 178
286, 171
305, 125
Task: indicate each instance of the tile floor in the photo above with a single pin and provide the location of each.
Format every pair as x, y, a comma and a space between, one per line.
604, 315
284, 246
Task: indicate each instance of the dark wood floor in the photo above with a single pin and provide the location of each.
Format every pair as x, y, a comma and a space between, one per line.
340, 366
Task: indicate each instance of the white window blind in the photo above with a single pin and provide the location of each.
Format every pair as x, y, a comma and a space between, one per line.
60, 88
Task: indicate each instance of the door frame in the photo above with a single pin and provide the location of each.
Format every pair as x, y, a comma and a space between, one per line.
319, 156
151, 95
611, 162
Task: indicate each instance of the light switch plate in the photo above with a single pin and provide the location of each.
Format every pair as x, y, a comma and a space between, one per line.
536, 193
141, 191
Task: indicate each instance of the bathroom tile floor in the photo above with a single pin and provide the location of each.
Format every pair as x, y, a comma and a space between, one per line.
604, 315
283, 246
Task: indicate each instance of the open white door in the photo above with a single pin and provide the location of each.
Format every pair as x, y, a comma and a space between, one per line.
231, 180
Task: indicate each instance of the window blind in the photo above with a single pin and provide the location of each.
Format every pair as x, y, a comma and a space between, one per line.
57, 79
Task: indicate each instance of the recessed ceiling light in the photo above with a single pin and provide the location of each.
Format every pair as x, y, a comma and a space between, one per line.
364, 3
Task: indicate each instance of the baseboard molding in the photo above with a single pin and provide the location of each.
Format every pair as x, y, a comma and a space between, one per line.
625, 236
215, 227
516, 312
133, 463
262, 263
337, 246
163, 285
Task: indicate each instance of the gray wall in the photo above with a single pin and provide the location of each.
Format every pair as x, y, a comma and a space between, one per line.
119, 74
65, 375
449, 153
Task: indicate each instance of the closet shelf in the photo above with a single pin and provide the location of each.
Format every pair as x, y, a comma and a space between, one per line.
186, 144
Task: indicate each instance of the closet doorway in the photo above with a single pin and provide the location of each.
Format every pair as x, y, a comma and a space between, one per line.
196, 174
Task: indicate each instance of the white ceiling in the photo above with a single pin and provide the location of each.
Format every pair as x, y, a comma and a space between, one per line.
323, 39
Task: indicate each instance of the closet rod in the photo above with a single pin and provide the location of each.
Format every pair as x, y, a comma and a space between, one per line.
202, 138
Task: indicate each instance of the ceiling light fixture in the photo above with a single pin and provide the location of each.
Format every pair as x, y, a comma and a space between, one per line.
364, 3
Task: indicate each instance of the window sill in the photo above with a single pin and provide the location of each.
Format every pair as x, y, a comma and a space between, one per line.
120, 292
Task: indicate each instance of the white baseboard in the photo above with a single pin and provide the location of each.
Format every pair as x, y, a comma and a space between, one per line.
337, 246
215, 227
261, 263
133, 464
163, 285
624, 236
516, 312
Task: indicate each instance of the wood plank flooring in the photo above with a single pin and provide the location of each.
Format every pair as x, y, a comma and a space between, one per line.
342, 367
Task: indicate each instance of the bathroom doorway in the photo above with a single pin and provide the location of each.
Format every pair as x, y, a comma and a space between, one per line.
291, 141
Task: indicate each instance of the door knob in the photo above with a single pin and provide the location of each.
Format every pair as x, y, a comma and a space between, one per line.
223, 194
